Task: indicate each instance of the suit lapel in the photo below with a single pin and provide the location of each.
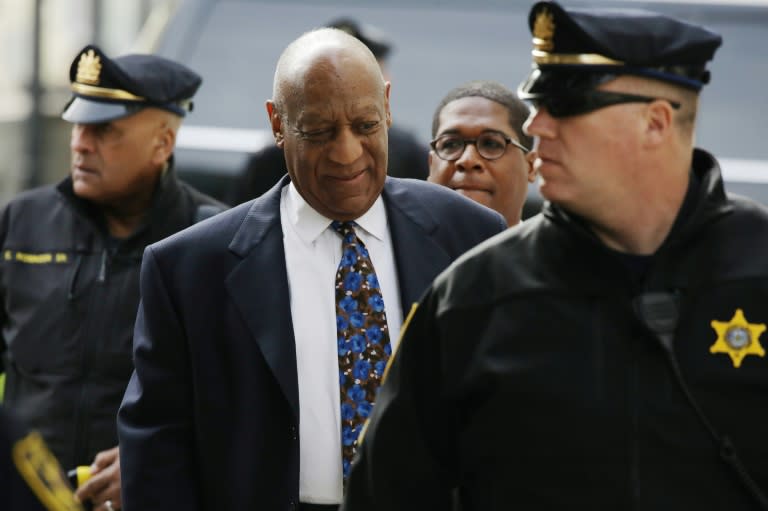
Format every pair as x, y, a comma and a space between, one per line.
258, 286
412, 228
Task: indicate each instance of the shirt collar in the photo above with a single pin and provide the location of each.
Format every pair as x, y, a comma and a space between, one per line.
310, 224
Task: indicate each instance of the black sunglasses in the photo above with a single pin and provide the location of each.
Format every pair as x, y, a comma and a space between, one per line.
582, 102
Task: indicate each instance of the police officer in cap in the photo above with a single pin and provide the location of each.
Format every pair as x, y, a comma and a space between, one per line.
610, 352
71, 254
406, 155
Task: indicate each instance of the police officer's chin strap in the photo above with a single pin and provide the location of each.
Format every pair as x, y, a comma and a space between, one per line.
659, 312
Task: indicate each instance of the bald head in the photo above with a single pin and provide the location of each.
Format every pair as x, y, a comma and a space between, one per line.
320, 51
330, 115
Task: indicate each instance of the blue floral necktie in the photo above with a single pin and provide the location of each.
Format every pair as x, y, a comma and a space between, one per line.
363, 337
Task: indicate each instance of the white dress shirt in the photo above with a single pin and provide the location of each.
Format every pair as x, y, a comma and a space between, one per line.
312, 254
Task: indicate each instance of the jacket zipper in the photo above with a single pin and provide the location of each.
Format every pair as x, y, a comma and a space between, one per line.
81, 420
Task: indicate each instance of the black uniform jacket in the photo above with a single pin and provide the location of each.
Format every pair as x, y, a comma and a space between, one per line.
69, 299
526, 379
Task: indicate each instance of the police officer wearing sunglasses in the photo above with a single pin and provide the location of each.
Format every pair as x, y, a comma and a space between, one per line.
610, 352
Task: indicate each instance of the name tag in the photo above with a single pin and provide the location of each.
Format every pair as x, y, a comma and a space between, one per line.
36, 258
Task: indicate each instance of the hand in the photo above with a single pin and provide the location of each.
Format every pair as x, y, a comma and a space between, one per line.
104, 483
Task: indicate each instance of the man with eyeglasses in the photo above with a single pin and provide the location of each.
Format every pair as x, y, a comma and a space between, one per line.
479, 148
610, 352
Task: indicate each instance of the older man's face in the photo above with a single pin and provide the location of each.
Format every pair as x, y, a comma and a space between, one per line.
335, 137
117, 163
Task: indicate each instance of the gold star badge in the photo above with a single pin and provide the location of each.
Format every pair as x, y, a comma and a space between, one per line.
738, 338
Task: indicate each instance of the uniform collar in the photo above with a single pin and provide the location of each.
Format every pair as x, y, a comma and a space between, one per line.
161, 215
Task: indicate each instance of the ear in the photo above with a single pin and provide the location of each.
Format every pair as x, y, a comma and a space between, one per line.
276, 122
164, 144
387, 86
530, 157
433, 170
659, 121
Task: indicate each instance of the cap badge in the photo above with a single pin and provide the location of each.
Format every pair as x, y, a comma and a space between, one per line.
89, 68
544, 31
738, 338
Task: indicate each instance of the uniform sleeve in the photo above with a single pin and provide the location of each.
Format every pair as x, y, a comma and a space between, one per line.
155, 419
407, 458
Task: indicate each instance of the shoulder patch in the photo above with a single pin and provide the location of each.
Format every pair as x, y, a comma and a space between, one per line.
43, 475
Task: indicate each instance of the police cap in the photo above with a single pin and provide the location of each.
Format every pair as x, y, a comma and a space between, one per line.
372, 37
106, 89
577, 49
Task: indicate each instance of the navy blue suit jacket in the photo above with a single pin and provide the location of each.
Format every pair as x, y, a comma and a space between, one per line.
210, 417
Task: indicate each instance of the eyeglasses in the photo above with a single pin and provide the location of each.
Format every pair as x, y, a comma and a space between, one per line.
582, 102
491, 145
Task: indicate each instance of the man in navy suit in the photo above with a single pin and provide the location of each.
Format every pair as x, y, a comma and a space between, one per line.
234, 402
